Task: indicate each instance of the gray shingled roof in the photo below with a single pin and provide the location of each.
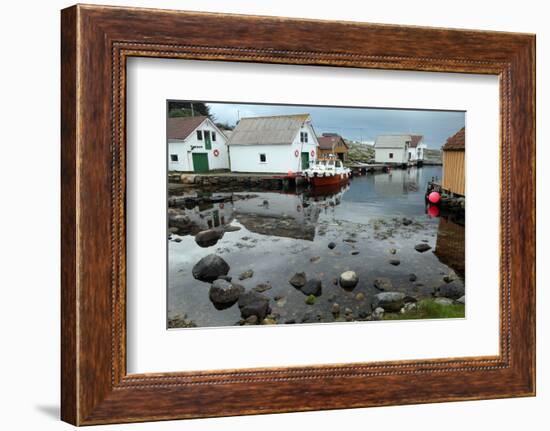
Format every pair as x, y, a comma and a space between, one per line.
275, 130
392, 141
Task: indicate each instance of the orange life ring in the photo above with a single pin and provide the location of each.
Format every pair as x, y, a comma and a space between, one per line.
216, 152
296, 153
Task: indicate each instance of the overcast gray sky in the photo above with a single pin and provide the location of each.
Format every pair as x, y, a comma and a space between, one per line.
360, 124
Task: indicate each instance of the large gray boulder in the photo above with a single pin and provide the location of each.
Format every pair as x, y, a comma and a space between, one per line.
223, 292
454, 290
253, 304
208, 238
389, 301
209, 268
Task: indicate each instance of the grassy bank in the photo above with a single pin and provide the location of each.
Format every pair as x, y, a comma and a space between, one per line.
429, 309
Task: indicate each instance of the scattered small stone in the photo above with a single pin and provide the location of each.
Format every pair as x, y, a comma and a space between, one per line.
354, 253
253, 303
407, 221
360, 296
177, 239
412, 277
461, 300
393, 250
383, 284
312, 287
395, 262
173, 229
422, 247
262, 287
348, 279
453, 290
298, 280
335, 310
389, 301
351, 241
444, 301
281, 302
335, 281
348, 314
314, 259
331, 245
246, 274
251, 320
378, 313
269, 321
409, 306
290, 321
310, 299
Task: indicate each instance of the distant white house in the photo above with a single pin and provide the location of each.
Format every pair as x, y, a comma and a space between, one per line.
276, 144
195, 144
399, 148
416, 148
392, 149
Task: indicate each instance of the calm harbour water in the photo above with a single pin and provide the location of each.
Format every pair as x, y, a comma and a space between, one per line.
280, 234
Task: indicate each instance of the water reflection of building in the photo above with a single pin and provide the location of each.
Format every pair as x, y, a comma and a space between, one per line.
397, 182
206, 215
450, 244
277, 214
284, 215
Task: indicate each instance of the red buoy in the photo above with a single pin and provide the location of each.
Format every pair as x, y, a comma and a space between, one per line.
434, 197
433, 211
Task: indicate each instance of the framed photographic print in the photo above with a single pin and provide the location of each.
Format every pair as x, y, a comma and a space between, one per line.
333, 214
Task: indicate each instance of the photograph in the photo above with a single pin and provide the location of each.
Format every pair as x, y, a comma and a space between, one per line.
287, 214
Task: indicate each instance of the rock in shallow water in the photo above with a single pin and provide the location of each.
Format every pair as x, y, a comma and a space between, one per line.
246, 274
453, 290
395, 262
224, 292
383, 284
253, 303
348, 279
210, 268
298, 280
331, 245
422, 247
389, 301
208, 238
312, 287
262, 287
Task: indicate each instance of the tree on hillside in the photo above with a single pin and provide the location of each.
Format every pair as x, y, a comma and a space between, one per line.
187, 109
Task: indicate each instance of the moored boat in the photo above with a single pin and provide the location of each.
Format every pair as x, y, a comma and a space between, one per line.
327, 172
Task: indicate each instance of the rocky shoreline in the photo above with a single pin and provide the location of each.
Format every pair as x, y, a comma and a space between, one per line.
256, 307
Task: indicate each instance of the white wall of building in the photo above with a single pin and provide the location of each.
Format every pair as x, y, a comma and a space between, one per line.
280, 158
417, 153
184, 149
382, 155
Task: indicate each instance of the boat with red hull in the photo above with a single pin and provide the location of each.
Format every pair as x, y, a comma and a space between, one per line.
327, 172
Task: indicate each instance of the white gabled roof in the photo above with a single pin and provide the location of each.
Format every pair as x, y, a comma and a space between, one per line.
392, 141
275, 130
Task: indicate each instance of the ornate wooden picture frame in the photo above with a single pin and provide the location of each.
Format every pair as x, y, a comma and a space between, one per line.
96, 41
